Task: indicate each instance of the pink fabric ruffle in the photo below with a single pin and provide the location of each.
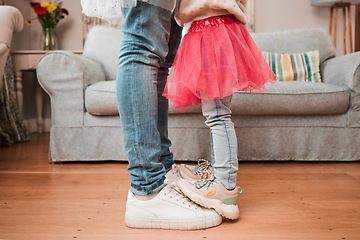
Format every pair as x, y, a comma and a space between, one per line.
216, 58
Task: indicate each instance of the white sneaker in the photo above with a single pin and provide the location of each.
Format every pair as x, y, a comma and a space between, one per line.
168, 210
172, 176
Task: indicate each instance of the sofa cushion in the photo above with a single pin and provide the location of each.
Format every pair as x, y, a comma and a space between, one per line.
102, 45
285, 98
293, 98
100, 98
296, 66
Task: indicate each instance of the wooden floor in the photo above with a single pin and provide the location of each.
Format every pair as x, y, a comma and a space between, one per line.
281, 200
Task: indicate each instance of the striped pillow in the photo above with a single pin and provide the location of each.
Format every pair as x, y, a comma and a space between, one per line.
302, 67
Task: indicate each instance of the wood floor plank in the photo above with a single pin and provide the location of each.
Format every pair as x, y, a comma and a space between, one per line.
280, 200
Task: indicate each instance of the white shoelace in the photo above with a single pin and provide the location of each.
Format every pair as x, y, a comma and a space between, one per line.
176, 195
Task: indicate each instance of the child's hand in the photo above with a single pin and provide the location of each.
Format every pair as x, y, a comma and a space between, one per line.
189, 10
235, 7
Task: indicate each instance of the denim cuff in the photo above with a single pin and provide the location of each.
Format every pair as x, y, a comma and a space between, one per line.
142, 191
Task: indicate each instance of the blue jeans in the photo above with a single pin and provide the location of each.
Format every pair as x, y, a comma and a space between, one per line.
224, 141
150, 41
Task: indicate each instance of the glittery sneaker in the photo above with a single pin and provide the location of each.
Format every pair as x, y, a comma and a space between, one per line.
191, 173
169, 209
211, 193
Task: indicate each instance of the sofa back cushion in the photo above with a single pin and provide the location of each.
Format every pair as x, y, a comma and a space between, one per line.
297, 41
103, 46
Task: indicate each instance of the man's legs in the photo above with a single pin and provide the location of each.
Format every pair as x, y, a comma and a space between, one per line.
146, 31
163, 103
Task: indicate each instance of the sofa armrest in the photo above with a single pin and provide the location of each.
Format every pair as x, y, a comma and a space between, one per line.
64, 76
342, 71
345, 71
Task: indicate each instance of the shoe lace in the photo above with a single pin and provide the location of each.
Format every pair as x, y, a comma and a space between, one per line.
203, 165
206, 176
178, 196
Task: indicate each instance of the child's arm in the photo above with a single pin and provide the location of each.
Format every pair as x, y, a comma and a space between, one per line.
190, 10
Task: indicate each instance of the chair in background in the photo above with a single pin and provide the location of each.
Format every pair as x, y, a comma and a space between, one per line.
12, 128
11, 20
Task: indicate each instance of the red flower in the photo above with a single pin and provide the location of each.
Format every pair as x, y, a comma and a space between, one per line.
34, 4
65, 11
39, 10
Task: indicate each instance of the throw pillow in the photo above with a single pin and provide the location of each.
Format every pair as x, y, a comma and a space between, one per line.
295, 67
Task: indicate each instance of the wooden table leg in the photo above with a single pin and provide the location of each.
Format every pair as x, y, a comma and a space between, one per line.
344, 28
331, 20
357, 27
335, 25
346, 8
350, 29
39, 108
19, 88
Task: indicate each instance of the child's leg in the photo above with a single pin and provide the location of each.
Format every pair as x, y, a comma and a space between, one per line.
220, 193
224, 141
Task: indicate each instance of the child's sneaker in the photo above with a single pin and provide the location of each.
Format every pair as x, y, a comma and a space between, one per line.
202, 171
191, 173
212, 194
169, 209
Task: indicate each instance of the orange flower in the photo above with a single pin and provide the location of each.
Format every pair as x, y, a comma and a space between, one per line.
28, 22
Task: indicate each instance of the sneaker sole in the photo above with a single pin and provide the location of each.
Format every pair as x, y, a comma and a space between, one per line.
138, 222
227, 211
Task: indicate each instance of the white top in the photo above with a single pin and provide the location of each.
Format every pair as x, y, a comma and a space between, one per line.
112, 8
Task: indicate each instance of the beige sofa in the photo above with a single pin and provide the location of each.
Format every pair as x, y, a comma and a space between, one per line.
291, 121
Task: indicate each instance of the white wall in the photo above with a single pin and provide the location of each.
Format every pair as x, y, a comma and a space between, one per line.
272, 15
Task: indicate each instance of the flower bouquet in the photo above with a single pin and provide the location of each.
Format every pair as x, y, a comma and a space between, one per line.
48, 14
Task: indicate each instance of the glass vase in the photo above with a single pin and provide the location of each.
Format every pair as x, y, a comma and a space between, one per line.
48, 39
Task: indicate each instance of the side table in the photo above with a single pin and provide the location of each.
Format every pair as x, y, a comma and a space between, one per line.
24, 60
345, 5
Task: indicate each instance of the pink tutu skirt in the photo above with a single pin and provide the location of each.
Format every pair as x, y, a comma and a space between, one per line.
216, 58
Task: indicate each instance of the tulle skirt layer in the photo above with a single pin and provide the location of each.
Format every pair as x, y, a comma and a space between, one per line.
216, 58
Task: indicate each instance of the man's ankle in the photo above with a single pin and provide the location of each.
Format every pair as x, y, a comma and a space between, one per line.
146, 197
